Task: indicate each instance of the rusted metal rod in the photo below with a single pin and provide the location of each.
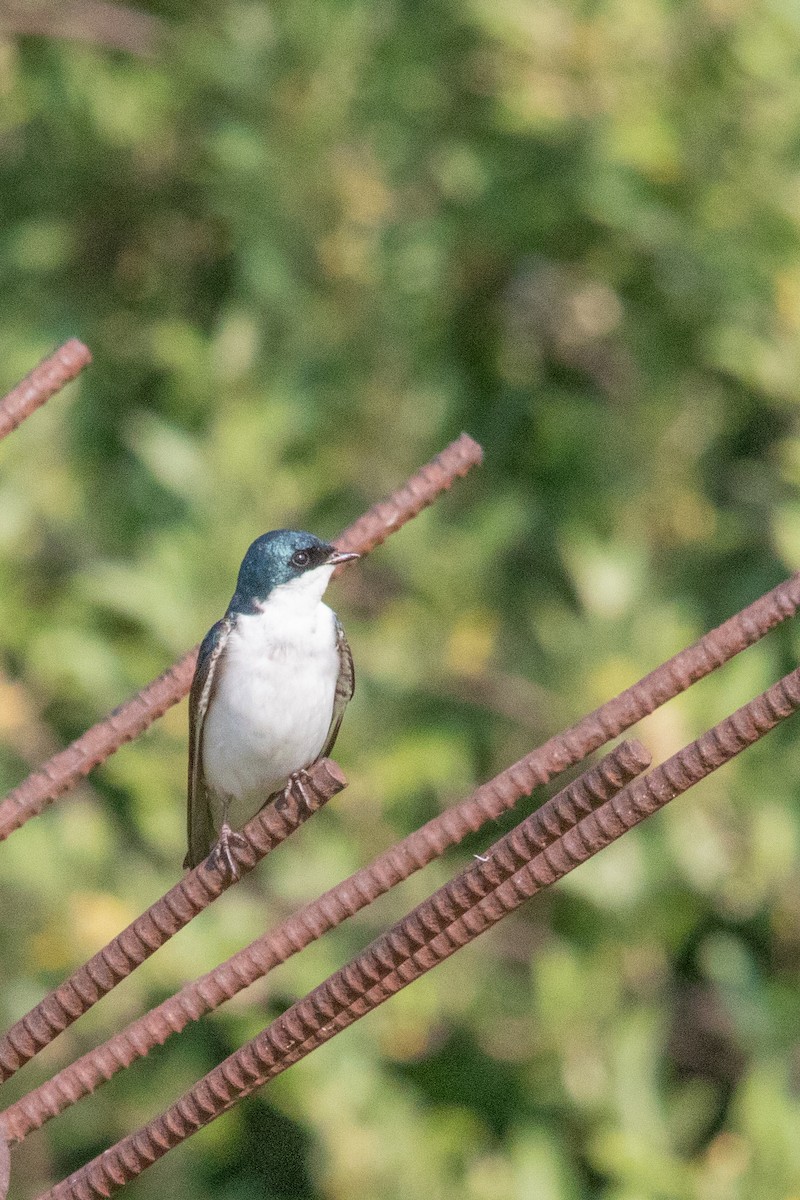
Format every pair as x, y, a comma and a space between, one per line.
476, 900
400, 861
579, 798
5, 1167
200, 996
65, 769
42, 383
97, 22
196, 890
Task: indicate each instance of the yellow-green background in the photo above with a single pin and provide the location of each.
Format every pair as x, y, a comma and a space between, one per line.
308, 243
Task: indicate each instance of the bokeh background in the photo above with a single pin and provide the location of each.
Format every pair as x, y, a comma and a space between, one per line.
308, 243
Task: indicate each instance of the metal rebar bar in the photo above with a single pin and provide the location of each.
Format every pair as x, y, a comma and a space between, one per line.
43, 382
65, 769
456, 914
579, 798
195, 891
425, 486
200, 996
5, 1167
413, 852
97, 22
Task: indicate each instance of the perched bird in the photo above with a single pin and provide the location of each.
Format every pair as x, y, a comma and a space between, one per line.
272, 682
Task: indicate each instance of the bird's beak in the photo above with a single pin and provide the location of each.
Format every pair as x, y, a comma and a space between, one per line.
342, 556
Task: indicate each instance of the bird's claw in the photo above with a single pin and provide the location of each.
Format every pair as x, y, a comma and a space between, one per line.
300, 781
222, 853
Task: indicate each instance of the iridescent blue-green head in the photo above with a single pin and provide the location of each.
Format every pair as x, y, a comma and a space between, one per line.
285, 564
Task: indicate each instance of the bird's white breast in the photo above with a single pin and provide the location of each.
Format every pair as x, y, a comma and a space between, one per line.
271, 707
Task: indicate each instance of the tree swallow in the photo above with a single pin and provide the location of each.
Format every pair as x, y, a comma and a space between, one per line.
272, 682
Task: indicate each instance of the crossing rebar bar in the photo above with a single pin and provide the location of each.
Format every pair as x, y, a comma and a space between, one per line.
5, 1167
65, 769
412, 853
200, 996
195, 891
43, 382
457, 913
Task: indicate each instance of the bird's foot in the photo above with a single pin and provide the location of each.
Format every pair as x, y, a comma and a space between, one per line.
222, 853
300, 781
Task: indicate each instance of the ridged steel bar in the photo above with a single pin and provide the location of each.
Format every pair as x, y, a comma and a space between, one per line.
412, 853
43, 382
575, 801
425, 486
99, 23
5, 1167
65, 769
195, 891
200, 996
455, 915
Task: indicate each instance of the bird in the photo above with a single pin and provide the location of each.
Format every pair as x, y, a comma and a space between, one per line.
272, 681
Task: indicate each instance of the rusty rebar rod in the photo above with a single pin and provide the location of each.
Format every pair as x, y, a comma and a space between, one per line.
400, 861
455, 915
65, 769
195, 891
5, 1167
200, 996
43, 382
97, 22
562, 811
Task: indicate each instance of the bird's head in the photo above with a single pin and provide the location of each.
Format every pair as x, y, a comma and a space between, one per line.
296, 564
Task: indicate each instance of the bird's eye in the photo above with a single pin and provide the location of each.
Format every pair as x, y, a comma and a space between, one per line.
300, 558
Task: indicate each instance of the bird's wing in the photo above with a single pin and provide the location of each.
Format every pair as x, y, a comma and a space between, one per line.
345, 686
200, 826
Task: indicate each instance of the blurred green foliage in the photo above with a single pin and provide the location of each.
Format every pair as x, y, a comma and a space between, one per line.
308, 243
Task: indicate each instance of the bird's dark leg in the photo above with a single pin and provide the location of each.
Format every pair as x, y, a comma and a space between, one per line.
227, 838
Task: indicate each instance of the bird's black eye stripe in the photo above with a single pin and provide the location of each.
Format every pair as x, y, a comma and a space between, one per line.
310, 556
